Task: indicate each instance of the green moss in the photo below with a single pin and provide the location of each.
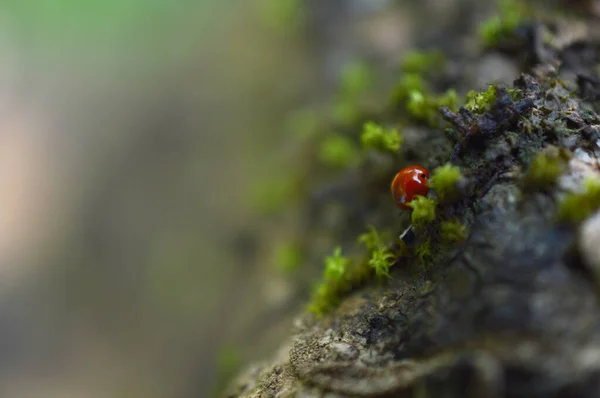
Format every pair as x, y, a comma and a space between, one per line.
511, 15
287, 257
423, 251
545, 169
453, 231
370, 239
338, 151
356, 78
481, 101
381, 258
423, 211
422, 61
302, 124
444, 179
228, 361
269, 196
576, 207
282, 15
377, 137
425, 107
408, 83
336, 266
339, 277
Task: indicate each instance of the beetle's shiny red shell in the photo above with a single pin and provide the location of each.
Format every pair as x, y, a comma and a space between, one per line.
409, 182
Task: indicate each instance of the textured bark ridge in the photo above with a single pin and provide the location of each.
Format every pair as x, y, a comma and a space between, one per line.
512, 312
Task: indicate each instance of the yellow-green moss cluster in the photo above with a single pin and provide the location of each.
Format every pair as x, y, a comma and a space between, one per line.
453, 231
545, 168
412, 92
282, 15
380, 138
271, 195
511, 14
408, 83
338, 151
327, 292
482, 101
356, 78
444, 179
423, 251
420, 62
381, 258
339, 277
576, 207
423, 211
287, 257
425, 106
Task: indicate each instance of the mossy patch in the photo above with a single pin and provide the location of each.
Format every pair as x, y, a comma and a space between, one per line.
576, 207
375, 136
444, 180
423, 211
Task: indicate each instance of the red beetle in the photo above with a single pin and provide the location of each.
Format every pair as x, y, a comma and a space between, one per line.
409, 182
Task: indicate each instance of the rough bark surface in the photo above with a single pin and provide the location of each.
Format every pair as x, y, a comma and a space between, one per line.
512, 312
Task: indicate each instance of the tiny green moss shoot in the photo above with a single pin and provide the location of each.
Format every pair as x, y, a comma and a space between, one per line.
481, 101
336, 266
421, 62
423, 106
423, 211
370, 239
453, 231
576, 207
444, 179
544, 170
287, 257
381, 258
423, 251
377, 137
338, 151
511, 15
356, 79
408, 83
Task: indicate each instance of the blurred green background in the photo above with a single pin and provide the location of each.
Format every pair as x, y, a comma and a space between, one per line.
136, 137
131, 132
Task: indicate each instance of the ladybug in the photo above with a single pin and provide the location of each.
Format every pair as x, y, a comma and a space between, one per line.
409, 182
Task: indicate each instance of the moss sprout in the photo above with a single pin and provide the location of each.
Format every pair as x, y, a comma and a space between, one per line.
444, 179
381, 260
453, 231
423, 210
424, 106
377, 137
481, 101
338, 151
271, 195
409, 83
545, 168
370, 239
355, 79
422, 61
576, 207
423, 251
336, 266
502, 26
287, 257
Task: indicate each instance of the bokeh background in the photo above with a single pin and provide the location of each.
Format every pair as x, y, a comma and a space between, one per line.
136, 141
